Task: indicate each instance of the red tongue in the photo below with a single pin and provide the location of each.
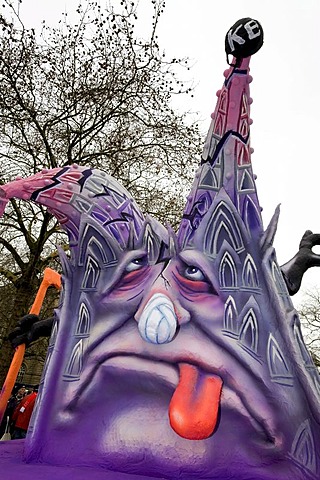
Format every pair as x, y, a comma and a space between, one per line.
193, 410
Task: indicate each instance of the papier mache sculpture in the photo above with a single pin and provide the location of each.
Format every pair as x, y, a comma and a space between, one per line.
177, 356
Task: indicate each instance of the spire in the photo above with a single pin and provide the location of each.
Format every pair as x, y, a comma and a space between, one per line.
226, 159
72, 192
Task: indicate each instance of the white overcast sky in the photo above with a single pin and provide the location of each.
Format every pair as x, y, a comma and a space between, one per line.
286, 94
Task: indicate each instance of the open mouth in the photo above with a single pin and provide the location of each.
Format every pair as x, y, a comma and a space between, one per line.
198, 397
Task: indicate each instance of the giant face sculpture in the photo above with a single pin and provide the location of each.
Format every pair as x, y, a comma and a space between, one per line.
175, 356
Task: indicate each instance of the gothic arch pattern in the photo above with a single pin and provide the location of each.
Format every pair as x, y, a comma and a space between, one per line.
219, 125
83, 324
74, 365
280, 285
223, 103
230, 322
249, 274
222, 227
303, 449
244, 127
91, 274
243, 154
246, 183
277, 276
303, 349
278, 367
92, 239
227, 272
244, 107
251, 215
210, 178
249, 333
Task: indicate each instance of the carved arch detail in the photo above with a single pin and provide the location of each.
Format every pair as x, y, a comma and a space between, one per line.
74, 365
249, 273
251, 214
83, 324
303, 447
222, 227
278, 367
230, 321
93, 240
228, 272
91, 274
249, 332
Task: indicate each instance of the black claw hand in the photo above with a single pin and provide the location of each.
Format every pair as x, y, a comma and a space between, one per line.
304, 259
308, 241
29, 328
22, 333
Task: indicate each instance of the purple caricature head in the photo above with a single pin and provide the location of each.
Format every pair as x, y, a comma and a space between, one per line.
176, 356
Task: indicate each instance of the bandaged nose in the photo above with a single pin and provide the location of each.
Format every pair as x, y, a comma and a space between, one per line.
158, 322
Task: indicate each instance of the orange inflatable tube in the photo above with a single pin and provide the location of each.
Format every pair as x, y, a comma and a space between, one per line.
50, 278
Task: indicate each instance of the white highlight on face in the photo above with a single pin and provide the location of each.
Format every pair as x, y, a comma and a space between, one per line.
158, 322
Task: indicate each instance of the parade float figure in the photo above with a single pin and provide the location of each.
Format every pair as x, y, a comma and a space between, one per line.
177, 356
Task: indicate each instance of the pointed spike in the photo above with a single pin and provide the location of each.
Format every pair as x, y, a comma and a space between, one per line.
65, 261
268, 236
131, 237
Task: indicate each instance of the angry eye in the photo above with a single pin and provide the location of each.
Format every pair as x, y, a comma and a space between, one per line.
136, 264
133, 275
192, 280
193, 273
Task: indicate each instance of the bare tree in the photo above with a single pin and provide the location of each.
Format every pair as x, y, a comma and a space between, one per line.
309, 311
91, 93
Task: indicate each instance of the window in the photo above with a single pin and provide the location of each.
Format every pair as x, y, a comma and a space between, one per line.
21, 373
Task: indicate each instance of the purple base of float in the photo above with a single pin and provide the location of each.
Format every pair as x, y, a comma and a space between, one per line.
13, 467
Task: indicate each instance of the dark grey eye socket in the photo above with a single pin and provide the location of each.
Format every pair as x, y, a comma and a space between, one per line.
193, 273
136, 264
